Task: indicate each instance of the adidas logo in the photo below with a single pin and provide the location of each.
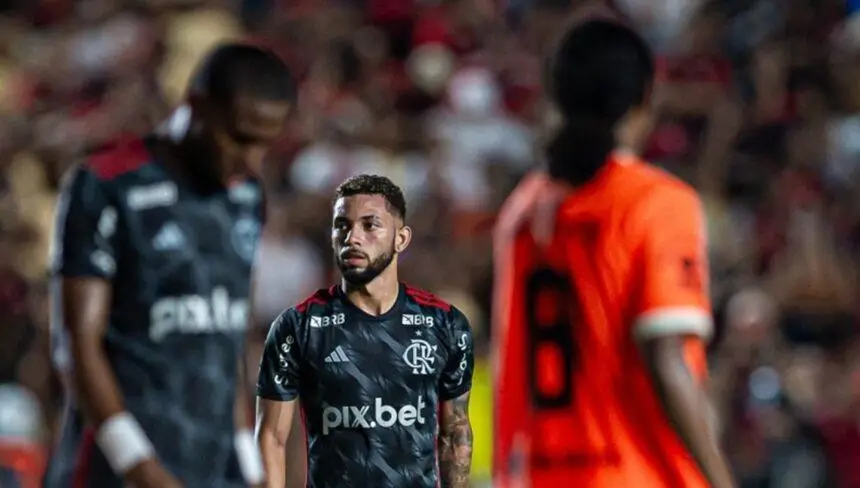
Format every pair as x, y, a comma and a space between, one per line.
337, 356
168, 238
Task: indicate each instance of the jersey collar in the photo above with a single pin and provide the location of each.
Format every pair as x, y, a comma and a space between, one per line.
393, 311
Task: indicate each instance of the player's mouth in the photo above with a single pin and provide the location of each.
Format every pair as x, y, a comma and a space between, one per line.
353, 258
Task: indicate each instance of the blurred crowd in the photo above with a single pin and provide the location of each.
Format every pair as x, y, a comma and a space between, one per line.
759, 104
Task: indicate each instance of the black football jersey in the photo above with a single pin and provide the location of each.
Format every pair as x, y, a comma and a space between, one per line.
179, 260
370, 386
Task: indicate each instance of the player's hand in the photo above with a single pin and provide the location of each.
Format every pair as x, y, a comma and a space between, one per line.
151, 474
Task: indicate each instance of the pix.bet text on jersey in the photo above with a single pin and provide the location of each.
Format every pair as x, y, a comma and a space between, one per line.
179, 260
369, 386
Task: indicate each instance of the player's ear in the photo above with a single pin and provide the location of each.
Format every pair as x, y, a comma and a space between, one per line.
403, 238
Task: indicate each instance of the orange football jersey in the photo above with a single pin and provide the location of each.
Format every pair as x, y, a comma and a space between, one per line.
581, 276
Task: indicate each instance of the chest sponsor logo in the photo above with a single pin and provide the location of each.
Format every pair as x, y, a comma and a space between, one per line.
329, 320
378, 415
244, 237
417, 320
157, 195
421, 357
196, 314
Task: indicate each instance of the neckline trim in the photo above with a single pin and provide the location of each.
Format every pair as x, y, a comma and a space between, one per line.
394, 310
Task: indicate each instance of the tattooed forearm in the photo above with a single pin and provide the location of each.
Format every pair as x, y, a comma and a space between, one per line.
455, 443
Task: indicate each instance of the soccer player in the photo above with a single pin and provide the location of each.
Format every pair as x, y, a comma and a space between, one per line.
601, 298
155, 242
380, 370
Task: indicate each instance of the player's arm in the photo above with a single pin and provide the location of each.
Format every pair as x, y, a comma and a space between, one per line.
455, 429
247, 452
277, 396
674, 322
509, 379
85, 259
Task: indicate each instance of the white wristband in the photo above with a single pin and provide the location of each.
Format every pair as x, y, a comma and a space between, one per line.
248, 455
123, 442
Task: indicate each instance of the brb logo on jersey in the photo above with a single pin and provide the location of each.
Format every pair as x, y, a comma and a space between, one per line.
195, 314
381, 415
320, 322
420, 356
417, 320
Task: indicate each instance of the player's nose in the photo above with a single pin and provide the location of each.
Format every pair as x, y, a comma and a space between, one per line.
353, 238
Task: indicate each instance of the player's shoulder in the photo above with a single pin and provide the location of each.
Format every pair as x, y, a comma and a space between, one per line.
118, 158
318, 302
642, 178
518, 205
425, 299
648, 188
110, 170
431, 305
316, 305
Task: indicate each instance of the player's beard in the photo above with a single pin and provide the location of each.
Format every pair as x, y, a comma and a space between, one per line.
363, 276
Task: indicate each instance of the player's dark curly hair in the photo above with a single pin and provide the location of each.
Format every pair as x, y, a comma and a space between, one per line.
599, 71
375, 185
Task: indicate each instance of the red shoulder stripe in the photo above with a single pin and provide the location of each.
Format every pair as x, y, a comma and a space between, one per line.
427, 299
119, 157
321, 297
416, 291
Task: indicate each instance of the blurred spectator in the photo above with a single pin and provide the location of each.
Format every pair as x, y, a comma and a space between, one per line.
288, 255
478, 134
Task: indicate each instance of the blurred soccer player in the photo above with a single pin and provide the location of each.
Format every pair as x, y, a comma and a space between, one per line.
155, 242
381, 371
601, 301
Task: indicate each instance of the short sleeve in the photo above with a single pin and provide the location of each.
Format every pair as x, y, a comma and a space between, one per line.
278, 378
457, 375
85, 236
673, 297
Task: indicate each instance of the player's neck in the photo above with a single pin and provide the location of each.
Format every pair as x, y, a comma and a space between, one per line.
624, 152
375, 298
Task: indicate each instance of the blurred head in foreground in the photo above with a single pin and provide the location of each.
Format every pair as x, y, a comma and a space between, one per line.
237, 107
600, 79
